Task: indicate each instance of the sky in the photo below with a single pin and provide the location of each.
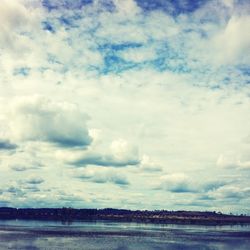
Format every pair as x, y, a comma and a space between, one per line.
135, 104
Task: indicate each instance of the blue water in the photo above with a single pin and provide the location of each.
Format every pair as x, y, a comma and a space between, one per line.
22, 234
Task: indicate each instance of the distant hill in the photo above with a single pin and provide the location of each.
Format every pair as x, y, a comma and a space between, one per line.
143, 216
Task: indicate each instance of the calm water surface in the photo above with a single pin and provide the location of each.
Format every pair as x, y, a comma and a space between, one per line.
21, 234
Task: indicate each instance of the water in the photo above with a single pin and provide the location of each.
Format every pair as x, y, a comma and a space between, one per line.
21, 234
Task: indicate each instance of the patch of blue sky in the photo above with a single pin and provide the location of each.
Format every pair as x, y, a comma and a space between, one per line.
244, 69
69, 21
174, 7
23, 71
115, 64
238, 76
225, 76
241, 3
107, 5
49, 5
112, 47
65, 4
166, 59
201, 32
46, 25
165, 64
170, 59
226, 80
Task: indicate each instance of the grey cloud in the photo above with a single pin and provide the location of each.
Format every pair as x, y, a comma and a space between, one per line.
182, 188
35, 181
71, 142
104, 177
119, 180
15, 191
230, 193
205, 197
12, 189
213, 185
152, 169
32, 189
106, 161
6, 145
62, 124
23, 189
32, 165
18, 168
177, 183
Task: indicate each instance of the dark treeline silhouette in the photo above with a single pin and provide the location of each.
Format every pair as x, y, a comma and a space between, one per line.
123, 215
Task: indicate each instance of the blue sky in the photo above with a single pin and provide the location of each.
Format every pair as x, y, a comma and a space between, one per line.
127, 104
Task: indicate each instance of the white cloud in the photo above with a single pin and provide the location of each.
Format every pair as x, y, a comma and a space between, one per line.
232, 44
103, 176
14, 18
39, 119
148, 165
139, 55
120, 154
176, 182
128, 7
121, 150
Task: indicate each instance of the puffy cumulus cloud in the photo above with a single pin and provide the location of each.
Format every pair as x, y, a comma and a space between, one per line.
128, 7
120, 154
176, 183
148, 165
232, 43
40, 119
17, 17
13, 15
103, 176
122, 150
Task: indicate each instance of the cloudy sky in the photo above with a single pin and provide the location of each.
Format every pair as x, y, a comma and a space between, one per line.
138, 104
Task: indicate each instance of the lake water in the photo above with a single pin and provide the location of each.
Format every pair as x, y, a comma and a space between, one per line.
21, 234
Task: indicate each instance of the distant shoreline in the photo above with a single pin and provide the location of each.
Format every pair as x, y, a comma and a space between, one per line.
122, 215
